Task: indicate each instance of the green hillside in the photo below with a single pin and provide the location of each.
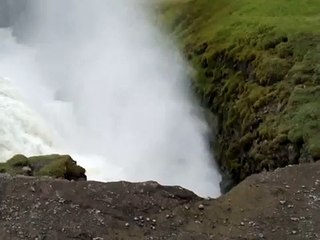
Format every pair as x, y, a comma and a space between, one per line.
258, 69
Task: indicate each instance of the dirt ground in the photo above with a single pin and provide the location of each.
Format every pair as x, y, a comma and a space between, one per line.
280, 205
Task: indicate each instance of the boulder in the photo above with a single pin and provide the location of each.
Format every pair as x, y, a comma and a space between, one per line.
55, 166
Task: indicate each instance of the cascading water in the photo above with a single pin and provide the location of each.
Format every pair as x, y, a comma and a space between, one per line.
105, 86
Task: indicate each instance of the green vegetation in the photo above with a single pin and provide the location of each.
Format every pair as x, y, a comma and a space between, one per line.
303, 119
258, 69
56, 166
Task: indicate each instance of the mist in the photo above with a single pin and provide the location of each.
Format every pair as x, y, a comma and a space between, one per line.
97, 80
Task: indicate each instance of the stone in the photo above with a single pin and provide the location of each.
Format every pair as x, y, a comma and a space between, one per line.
282, 202
201, 207
27, 170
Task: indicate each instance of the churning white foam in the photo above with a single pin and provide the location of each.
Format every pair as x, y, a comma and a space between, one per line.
106, 86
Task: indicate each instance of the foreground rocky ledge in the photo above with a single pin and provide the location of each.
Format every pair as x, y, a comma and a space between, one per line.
280, 205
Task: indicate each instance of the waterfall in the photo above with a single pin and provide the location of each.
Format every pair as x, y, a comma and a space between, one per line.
96, 79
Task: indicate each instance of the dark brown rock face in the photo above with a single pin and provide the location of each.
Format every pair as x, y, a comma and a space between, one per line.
280, 205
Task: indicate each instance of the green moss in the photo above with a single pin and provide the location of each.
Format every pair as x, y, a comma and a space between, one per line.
14, 165
258, 69
18, 161
303, 117
56, 166
271, 70
280, 138
60, 166
246, 140
54, 169
284, 50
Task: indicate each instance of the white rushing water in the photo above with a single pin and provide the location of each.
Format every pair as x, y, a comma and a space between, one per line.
97, 80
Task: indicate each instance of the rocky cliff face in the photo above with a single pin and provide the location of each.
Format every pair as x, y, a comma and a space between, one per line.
279, 205
257, 69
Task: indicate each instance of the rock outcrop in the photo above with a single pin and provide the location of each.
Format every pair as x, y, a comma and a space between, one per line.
55, 166
284, 204
257, 69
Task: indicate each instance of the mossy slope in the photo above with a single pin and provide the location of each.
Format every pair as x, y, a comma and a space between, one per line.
258, 69
56, 166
